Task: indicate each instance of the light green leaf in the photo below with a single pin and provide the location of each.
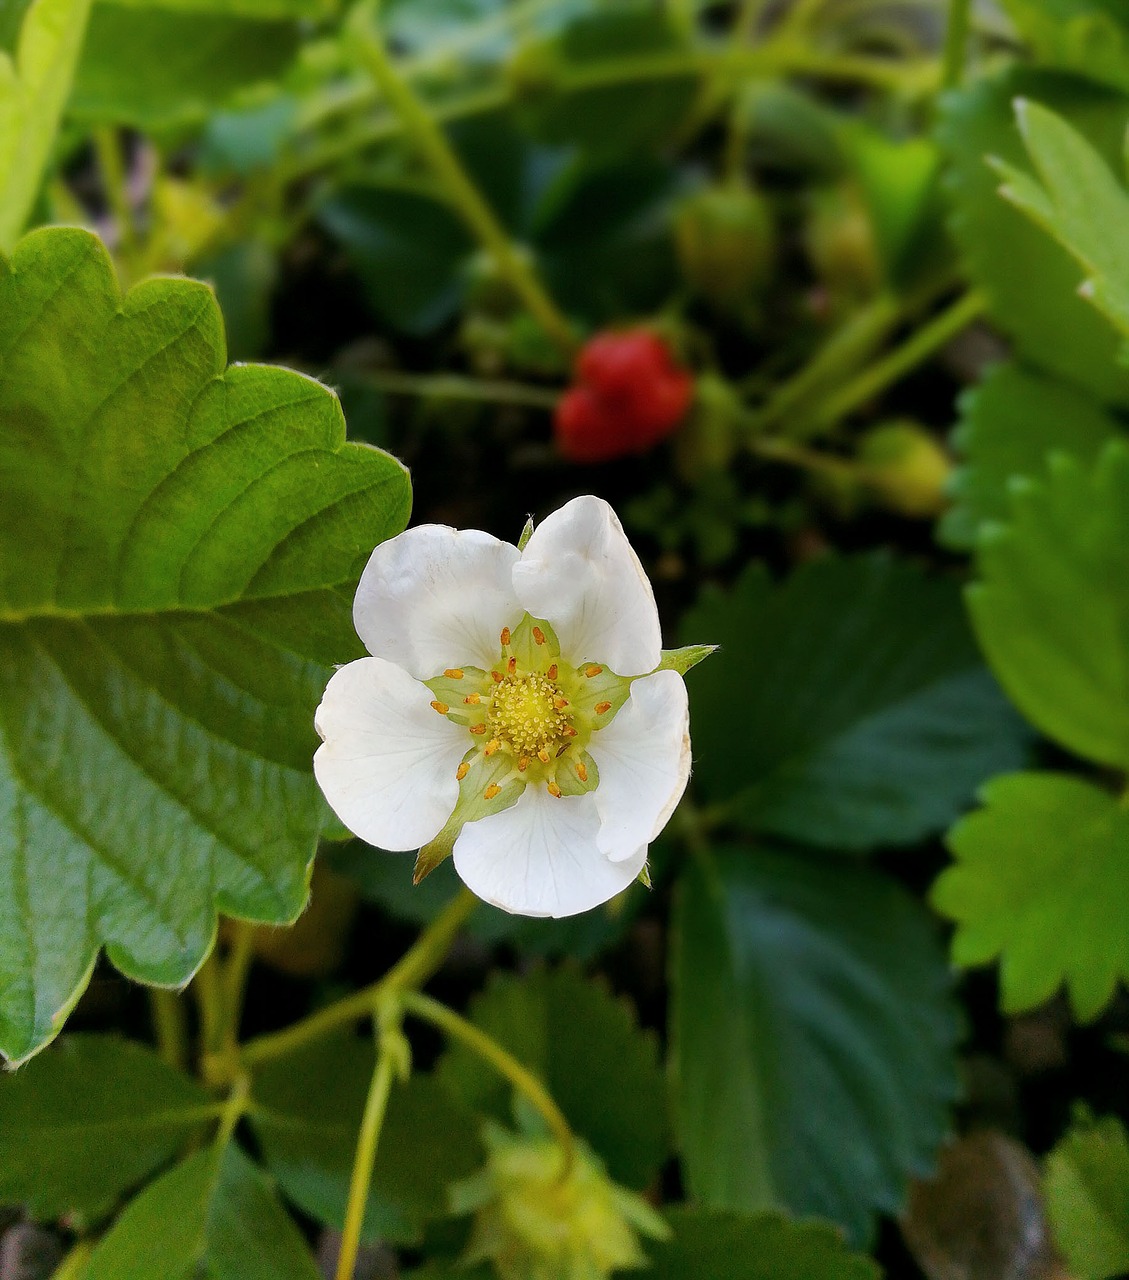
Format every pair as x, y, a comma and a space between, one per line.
89, 1121
215, 1215
164, 69
1042, 881
1080, 203
1009, 425
178, 551
712, 1245
33, 91
1030, 281
814, 1038
261, 10
1087, 1191
1088, 37
1051, 608
308, 1109
847, 707
606, 1079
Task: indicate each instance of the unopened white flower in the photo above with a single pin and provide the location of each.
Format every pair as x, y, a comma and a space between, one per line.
514, 711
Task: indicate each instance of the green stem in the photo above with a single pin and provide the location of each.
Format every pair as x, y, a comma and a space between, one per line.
464, 195
522, 1079
412, 971
169, 1026
367, 1139
208, 988
107, 147
798, 455
956, 43
234, 1108
235, 976
451, 386
918, 347
73, 1266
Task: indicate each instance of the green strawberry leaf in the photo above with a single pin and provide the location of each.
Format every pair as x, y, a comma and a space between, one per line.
814, 1037
1051, 607
1087, 1192
178, 551
1044, 853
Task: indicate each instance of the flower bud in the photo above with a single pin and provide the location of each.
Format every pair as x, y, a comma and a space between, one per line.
725, 240
535, 1219
905, 468
840, 242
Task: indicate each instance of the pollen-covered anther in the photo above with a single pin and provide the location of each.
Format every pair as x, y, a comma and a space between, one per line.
478, 728
492, 747
454, 673
462, 771
491, 791
505, 636
511, 666
560, 703
602, 708
593, 670
582, 771
523, 764
441, 707
538, 636
544, 756
553, 789
497, 677
569, 731
552, 672
472, 699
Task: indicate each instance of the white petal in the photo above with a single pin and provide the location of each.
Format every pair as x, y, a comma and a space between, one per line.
539, 858
435, 597
387, 763
578, 571
644, 762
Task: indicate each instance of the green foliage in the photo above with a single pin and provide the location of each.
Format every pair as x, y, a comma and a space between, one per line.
1087, 1191
170, 601
713, 1245
606, 1079
89, 1121
1031, 282
164, 68
847, 707
34, 84
1009, 426
1088, 37
1079, 202
1051, 607
814, 1036
1042, 881
259, 9
308, 1108
213, 1215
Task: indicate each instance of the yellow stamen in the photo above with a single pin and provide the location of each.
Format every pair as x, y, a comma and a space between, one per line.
552, 672
603, 707
478, 728
511, 666
523, 764
492, 746
538, 636
553, 789
569, 730
505, 636
491, 791
462, 771
593, 670
497, 677
441, 707
453, 673
560, 703
473, 699
581, 771
544, 756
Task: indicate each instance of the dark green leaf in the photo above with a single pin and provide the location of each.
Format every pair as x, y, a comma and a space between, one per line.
408, 250
1042, 881
1031, 282
847, 707
711, 1245
1051, 607
215, 1215
308, 1110
1089, 37
1008, 427
90, 1120
600, 1068
165, 69
1087, 1190
814, 1036
171, 601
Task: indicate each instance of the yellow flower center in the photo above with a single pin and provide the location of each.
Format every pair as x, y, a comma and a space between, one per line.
528, 713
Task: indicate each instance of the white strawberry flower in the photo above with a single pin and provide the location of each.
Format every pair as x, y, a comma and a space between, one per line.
517, 711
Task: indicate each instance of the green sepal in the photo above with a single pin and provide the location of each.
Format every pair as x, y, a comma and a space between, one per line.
569, 780
644, 876
471, 805
526, 534
681, 660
